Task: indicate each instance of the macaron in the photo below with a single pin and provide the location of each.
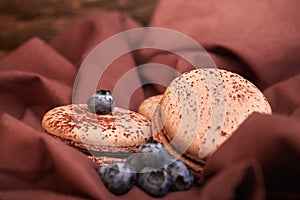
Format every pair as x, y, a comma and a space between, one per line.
200, 110
148, 106
105, 138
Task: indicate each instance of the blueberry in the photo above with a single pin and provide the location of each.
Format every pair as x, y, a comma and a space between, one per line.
101, 102
153, 181
150, 154
119, 177
152, 146
182, 178
136, 161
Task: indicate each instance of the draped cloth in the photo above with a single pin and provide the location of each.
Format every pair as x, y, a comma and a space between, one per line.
259, 40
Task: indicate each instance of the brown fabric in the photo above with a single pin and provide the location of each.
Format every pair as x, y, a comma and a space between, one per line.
257, 39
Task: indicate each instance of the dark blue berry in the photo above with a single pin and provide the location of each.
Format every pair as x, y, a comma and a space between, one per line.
101, 102
136, 161
119, 177
151, 154
182, 178
153, 181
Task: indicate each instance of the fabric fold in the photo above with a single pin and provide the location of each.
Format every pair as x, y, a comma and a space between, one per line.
77, 42
262, 34
35, 161
244, 180
282, 95
276, 149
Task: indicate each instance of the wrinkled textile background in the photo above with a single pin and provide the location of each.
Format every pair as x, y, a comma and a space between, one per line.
257, 39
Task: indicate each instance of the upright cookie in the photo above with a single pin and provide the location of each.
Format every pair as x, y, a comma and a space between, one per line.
201, 109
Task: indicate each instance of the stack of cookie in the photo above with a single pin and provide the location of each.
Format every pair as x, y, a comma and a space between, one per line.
197, 113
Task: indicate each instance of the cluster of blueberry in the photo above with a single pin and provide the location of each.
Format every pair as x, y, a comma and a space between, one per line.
151, 169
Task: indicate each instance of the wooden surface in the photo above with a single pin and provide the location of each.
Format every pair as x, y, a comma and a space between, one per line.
21, 20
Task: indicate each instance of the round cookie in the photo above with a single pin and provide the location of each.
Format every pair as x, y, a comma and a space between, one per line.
201, 109
148, 106
107, 137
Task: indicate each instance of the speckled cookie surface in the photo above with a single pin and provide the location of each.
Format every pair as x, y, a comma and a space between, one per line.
122, 130
202, 108
148, 106
196, 166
